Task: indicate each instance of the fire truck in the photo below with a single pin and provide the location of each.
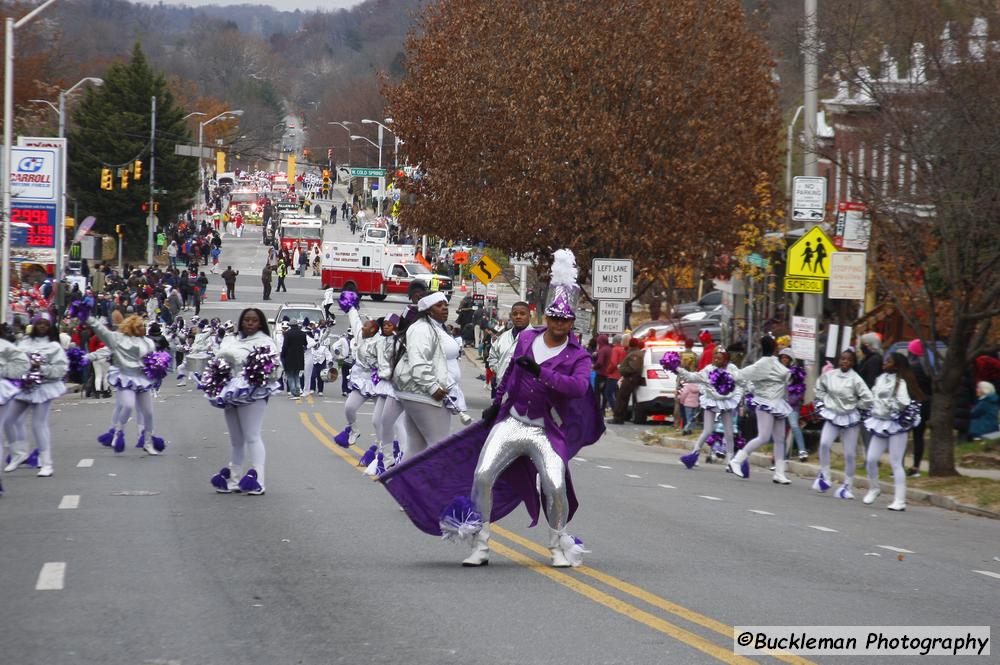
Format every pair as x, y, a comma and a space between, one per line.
302, 231
375, 270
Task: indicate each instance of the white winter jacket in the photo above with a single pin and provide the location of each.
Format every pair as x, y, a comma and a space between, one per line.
424, 369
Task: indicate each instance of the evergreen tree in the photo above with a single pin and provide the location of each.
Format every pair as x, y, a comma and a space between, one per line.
111, 130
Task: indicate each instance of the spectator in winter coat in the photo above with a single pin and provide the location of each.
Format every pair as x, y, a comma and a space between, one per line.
602, 357
618, 353
984, 413
915, 354
708, 349
631, 371
687, 397
871, 366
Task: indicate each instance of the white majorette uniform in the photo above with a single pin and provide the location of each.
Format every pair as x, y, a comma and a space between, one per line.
14, 364
132, 389
243, 405
420, 373
388, 410
361, 378
714, 405
840, 398
770, 391
894, 413
52, 365
501, 351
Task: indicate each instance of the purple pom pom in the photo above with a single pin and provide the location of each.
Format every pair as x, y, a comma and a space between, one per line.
142, 439
348, 300
670, 361
716, 442
797, 384
749, 401
344, 438
32, 460
159, 445
77, 358
690, 459
120, 442
745, 468
460, 520
220, 481
79, 309
215, 377
739, 442
156, 365
249, 483
107, 438
722, 381
33, 377
369, 456
260, 366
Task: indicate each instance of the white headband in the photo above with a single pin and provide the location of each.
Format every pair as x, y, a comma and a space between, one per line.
427, 302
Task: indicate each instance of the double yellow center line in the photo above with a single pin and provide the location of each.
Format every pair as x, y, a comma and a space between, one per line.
572, 578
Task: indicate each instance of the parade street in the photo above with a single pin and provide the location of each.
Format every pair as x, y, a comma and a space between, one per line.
131, 559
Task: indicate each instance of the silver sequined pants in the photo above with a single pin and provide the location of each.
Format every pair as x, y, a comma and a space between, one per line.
508, 440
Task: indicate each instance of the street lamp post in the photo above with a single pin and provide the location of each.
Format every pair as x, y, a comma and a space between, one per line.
201, 142
8, 136
355, 137
381, 180
345, 124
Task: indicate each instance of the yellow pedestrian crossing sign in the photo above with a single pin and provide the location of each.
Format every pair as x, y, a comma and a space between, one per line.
485, 269
809, 256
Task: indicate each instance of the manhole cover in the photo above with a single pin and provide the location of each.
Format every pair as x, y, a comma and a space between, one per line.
134, 493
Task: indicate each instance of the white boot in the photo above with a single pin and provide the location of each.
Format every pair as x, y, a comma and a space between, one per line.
845, 491
566, 550
872, 494
16, 460
480, 549
779, 477
899, 496
736, 463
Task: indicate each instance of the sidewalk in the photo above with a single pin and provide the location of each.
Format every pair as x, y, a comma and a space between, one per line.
808, 470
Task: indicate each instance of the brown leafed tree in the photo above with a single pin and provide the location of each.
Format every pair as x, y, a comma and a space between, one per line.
618, 129
928, 85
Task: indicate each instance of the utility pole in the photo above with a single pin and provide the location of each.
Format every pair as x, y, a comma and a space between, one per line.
812, 306
150, 224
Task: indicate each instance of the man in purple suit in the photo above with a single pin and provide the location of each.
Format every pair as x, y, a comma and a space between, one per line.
543, 413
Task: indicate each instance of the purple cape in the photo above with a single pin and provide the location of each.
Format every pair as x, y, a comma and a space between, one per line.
426, 483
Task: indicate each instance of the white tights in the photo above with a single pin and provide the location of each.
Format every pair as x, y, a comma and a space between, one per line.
351, 406
426, 424
244, 423
387, 419
849, 437
897, 448
127, 401
39, 425
771, 429
727, 426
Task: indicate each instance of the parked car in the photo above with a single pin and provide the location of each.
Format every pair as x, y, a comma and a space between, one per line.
653, 330
656, 396
298, 312
707, 301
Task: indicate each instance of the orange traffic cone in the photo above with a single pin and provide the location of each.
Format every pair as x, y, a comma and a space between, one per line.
462, 288
223, 297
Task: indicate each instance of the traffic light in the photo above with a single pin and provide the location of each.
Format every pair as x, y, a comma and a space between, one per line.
156, 206
137, 170
144, 206
124, 178
106, 182
326, 182
120, 229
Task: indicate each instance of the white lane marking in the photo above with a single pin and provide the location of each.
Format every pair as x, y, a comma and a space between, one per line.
70, 502
988, 573
632, 475
51, 577
822, 528
85, 462
759, 512
667, 487
710, 498
896, 549
579, 459
601, 466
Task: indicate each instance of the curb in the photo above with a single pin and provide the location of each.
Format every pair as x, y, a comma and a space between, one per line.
805, 470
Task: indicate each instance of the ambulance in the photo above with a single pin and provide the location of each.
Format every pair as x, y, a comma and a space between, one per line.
376, 270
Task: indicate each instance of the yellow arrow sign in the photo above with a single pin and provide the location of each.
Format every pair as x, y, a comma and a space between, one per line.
485, 269
809, 256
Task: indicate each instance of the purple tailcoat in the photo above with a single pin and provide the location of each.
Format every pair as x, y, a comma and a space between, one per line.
426, 483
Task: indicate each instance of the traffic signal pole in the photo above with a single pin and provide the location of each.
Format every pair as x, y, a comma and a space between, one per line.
150, 231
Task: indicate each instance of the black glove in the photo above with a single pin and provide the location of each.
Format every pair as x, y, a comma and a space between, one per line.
490, 413
528, 365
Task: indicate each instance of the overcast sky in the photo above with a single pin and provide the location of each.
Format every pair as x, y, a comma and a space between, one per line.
289, 5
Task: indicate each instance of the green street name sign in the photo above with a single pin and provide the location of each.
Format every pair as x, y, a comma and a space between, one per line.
367, 173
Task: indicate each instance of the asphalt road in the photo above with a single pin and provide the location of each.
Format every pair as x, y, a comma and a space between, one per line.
145, 564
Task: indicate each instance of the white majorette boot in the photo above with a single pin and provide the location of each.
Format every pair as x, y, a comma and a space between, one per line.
822, 484
844, 491
480, 549
779, 477
566, 550
871, 496
899, 496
